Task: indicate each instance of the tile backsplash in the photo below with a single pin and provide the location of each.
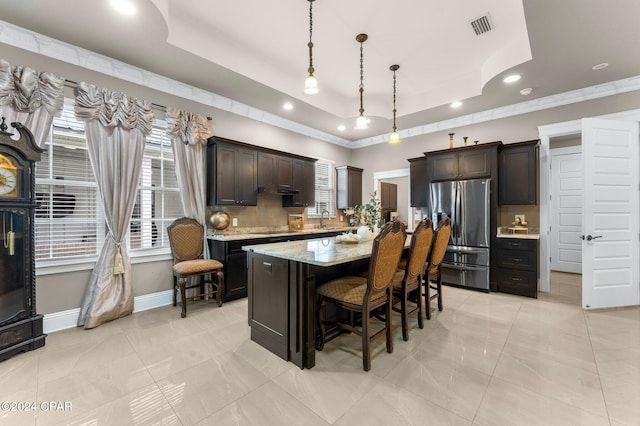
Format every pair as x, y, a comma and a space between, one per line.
507, 215
269, 214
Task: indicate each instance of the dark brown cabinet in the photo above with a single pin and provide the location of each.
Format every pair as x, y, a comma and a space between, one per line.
388, 196
418, 181
269, 317
348, 186
275, 173
517, 266
464, 164
234, 259
304, 182
518, 175
232, 174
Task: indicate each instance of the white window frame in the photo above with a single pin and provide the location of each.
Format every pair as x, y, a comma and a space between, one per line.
312, 212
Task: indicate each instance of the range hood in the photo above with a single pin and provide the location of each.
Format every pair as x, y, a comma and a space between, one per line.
281, 189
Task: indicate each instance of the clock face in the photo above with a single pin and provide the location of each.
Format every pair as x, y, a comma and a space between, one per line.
9, 179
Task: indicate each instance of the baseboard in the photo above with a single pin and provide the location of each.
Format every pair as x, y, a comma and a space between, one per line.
69, 319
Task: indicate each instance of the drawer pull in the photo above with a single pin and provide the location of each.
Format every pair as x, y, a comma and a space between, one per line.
267, 266
516, 279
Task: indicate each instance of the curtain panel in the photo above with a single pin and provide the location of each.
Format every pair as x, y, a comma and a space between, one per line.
188, 133
31, 98
116, 126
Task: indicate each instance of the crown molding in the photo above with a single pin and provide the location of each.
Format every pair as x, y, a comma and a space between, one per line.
579, 95
28, 40
46, 46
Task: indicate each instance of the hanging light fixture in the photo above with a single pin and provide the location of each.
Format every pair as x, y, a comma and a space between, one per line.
310, 84
395, 137
361, 122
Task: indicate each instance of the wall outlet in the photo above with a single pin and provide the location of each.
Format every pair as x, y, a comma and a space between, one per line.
341, 218
234, 221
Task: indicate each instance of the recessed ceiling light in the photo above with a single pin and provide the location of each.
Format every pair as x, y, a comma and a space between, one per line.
600, 66
288, 106
342, 127
511, 78
526, 91
126, 7
456, 104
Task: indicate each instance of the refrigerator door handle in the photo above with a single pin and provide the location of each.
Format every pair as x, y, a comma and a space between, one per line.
458, 213
464, 267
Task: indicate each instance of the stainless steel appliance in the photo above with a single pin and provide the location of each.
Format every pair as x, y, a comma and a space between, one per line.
466, 203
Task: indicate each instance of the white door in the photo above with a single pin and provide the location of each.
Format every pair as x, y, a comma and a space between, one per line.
566, 209
611, 225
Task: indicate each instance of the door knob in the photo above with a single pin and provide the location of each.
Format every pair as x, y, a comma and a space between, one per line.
589, 237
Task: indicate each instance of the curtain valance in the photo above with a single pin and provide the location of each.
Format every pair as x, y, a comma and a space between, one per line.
188, 127
112, 109
26, 90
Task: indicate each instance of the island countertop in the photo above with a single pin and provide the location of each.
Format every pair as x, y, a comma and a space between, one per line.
320, 252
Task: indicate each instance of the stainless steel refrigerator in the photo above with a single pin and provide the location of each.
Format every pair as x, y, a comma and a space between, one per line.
466, 203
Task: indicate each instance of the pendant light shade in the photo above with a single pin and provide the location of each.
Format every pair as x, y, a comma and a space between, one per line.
395, 137
361, 122
310, 84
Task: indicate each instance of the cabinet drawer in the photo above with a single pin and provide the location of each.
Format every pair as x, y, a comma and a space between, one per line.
517, 244
521, 283
517, 259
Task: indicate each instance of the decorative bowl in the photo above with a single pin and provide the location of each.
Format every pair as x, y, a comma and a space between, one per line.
220, 220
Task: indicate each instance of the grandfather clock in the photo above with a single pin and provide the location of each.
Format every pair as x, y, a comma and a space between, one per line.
20, 326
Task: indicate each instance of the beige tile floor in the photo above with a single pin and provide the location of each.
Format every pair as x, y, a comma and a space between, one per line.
487, 359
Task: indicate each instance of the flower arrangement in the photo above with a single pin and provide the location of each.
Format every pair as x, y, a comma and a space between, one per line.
369, 214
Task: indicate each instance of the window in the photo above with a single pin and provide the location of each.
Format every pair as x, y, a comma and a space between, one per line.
158, 200
324, 189
69, 223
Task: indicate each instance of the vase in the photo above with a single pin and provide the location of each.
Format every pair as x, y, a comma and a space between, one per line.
365, 233
451, 140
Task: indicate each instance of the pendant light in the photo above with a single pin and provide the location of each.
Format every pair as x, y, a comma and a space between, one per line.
310, 84
395, 137
361, 122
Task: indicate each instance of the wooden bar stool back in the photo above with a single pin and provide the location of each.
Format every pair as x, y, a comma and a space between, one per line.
186, 238
364, 295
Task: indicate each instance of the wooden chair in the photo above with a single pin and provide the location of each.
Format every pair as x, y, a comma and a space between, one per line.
364, 295
434, 269
186, 237
409, 279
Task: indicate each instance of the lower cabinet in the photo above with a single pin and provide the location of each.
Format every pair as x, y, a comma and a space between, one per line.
234, 259
269, 303
517, 266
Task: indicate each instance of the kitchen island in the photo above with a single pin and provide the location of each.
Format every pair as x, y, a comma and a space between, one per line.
282, 298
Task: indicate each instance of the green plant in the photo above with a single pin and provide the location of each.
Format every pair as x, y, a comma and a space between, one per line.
369, 214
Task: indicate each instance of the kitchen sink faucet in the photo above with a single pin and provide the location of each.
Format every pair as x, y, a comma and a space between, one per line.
322, 225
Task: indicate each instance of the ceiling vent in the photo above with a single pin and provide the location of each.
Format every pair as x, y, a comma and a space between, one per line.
481, 25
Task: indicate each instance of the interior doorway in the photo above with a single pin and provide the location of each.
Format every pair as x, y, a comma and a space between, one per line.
565, 209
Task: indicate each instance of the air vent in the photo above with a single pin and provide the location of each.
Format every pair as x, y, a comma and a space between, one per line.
481, 25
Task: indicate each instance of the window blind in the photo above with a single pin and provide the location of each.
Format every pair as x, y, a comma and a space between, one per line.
324, 190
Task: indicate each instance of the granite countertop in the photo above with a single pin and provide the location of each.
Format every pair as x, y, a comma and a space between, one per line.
267, 234
320, 251
524, 233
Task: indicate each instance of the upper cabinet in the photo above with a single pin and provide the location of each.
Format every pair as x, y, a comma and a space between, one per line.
348, 186
274, 173
232, 174
418, 181
304, 187
518, 164
237, 171
469, 163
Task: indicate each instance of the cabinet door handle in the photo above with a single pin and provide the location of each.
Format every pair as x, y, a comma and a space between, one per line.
267, 266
